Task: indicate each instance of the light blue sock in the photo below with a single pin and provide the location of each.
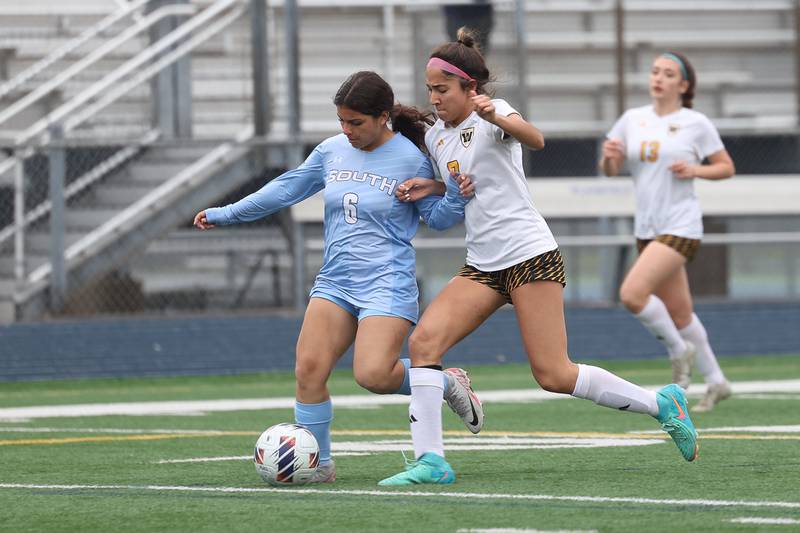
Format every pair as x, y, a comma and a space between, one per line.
317, 418
405, 388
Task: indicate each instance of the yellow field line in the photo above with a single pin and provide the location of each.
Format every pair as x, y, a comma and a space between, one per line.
379, 433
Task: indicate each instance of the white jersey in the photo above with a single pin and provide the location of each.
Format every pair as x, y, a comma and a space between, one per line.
665, 204
503, 226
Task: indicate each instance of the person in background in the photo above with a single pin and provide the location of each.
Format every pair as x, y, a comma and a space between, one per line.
665, 145
366, 292
478, 15
512, 258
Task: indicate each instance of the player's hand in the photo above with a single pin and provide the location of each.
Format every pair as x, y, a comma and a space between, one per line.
483, 106
465, 185
201, 222
414, 189
683, 170
613, 149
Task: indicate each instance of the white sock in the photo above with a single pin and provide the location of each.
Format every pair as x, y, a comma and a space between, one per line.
425, 411
704, 358
656, 319
609, 390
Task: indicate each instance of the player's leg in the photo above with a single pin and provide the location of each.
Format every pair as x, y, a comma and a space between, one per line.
376, 364
539, 307
677, 297
674, 292
459, 309
378, 343
653, 268
328, 330
477, 295
540, 312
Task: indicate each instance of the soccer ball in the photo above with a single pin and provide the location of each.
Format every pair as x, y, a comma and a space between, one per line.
286, 454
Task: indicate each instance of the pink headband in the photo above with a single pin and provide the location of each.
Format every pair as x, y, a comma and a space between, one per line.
441, 64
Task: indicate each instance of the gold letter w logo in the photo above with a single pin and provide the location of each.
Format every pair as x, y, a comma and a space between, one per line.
466, 136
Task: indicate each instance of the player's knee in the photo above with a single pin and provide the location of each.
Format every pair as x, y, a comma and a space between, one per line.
308, 374
632, 298
374, 381
554, 379
424, 347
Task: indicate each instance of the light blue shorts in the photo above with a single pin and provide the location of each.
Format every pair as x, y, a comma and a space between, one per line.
359, 312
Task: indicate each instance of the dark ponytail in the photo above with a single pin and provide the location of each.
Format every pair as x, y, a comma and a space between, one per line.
411, 123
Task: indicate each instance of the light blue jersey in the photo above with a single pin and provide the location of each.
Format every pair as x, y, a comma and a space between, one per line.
368, 260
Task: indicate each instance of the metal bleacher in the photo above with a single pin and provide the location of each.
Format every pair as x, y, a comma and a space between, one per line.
742, 52
133, 178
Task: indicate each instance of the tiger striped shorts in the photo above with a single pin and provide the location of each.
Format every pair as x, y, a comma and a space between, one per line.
548, 266
686, 247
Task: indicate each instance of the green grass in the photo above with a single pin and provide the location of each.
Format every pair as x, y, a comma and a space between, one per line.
733, 466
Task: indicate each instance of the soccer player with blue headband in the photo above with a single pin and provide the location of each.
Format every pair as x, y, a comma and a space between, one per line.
366, 292
665, 145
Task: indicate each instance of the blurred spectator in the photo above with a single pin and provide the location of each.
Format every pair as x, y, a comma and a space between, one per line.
477, 15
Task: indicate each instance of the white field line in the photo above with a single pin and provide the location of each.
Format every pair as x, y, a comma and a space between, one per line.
735, 429
754, 429
196, 407
453, 445
792, 397
515, 530
755, 504
217, 432
765, 521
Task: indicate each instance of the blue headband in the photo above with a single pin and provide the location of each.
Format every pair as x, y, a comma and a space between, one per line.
679, 61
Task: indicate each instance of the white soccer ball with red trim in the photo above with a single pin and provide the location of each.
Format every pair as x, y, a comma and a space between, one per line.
286, 454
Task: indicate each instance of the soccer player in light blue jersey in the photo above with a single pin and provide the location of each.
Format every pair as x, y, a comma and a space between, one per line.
366, 292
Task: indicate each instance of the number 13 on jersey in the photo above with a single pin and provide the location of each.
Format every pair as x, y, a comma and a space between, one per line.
649, 151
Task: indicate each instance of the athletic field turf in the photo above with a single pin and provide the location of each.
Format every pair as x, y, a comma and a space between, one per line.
174, 454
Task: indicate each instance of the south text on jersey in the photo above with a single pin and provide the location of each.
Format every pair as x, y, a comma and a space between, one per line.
374, 180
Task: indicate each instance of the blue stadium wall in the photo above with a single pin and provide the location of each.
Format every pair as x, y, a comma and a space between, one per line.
252, 343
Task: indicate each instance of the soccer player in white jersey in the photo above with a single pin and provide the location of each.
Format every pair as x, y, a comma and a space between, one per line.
511, 258
664, 145
366, 291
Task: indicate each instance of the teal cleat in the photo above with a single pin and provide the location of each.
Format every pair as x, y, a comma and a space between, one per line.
674, 417
428, 469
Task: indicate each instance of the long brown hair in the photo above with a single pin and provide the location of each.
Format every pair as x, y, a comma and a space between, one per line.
466, 55
367, 93
691, 77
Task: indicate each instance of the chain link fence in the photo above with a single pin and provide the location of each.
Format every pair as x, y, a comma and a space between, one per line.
182, 270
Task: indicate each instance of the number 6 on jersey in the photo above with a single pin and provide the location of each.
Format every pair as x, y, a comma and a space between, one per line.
349, 204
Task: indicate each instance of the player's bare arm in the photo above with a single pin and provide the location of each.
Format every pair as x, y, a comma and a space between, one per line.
720, 167
513, 124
